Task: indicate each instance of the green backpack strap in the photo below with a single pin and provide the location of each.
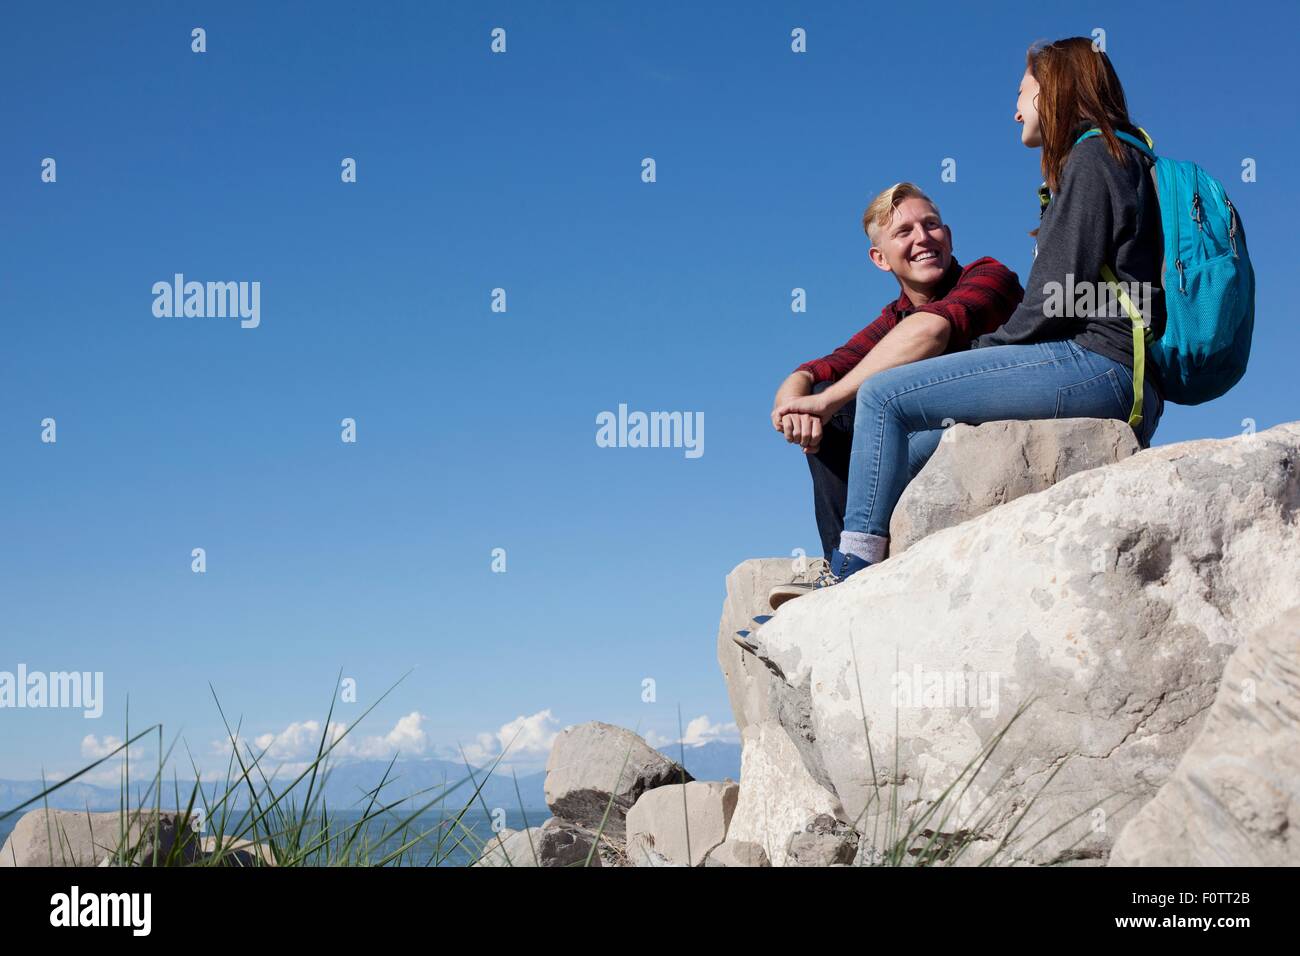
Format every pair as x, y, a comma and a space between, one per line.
1139, 343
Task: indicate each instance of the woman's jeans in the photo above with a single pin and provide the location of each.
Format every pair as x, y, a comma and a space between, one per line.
1045, 380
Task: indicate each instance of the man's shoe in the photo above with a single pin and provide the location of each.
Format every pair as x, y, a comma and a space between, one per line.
817, 568
841, 566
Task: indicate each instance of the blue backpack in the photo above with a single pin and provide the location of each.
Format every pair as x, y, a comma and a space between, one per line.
1209, 287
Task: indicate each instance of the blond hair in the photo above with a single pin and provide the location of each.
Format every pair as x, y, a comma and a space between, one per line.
882, 207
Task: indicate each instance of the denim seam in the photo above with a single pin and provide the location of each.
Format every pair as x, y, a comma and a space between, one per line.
1109, 375
1119, 392
1144, 431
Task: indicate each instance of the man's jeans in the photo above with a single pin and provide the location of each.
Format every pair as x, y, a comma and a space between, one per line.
1045, 380
830, 468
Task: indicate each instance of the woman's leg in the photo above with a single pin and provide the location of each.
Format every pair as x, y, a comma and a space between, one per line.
920, 446
1044, 380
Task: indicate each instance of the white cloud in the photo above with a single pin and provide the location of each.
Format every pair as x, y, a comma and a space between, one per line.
144, 762
698, 732
407, 738
522, 740
96, 747
301, 741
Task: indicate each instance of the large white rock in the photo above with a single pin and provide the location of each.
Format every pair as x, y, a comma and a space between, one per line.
669, 819
1115, 596
755, 696
778, 793
1235, 798
978, 467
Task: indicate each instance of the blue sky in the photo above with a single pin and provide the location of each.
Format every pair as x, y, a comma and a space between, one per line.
476, 430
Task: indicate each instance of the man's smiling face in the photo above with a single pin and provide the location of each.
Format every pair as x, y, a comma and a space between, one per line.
915, 245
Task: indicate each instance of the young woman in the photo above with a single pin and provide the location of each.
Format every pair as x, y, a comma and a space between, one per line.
1057, 356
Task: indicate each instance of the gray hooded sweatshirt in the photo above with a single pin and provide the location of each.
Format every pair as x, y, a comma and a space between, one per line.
1104, 212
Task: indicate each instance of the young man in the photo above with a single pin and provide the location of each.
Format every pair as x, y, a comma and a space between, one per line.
941, 307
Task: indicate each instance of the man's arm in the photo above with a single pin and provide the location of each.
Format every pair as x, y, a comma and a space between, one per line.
921, 335
828, 368
799, 383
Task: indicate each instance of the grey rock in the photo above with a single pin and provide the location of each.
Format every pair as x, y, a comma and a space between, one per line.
1234, 799
646, 856
73, 838
587, 765
513, 848
1107, 604
737, 853
824, 841
565, 844
555, 843
778, 791
668, 819
978, 467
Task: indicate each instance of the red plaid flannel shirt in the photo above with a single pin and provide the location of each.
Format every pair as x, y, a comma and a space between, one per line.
975, 299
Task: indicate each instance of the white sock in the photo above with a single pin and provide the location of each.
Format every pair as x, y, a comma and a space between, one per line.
869, 547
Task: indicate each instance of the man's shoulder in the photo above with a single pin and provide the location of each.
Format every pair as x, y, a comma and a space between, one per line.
984, 264
985, 271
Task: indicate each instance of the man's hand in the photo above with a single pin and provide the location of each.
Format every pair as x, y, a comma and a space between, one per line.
801, 420
801, 417
797, 429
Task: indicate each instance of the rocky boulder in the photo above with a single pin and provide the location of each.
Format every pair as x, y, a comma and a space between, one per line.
783, 785
554, 843
75, 838
513, 848
737, 853
669, 819
1108, 603
592, 762
755, 697
978, 467
1234, 800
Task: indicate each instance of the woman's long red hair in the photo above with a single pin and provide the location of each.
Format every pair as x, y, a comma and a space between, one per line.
1076, 84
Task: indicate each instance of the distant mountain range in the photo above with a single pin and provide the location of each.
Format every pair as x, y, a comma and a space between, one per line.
415, 781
